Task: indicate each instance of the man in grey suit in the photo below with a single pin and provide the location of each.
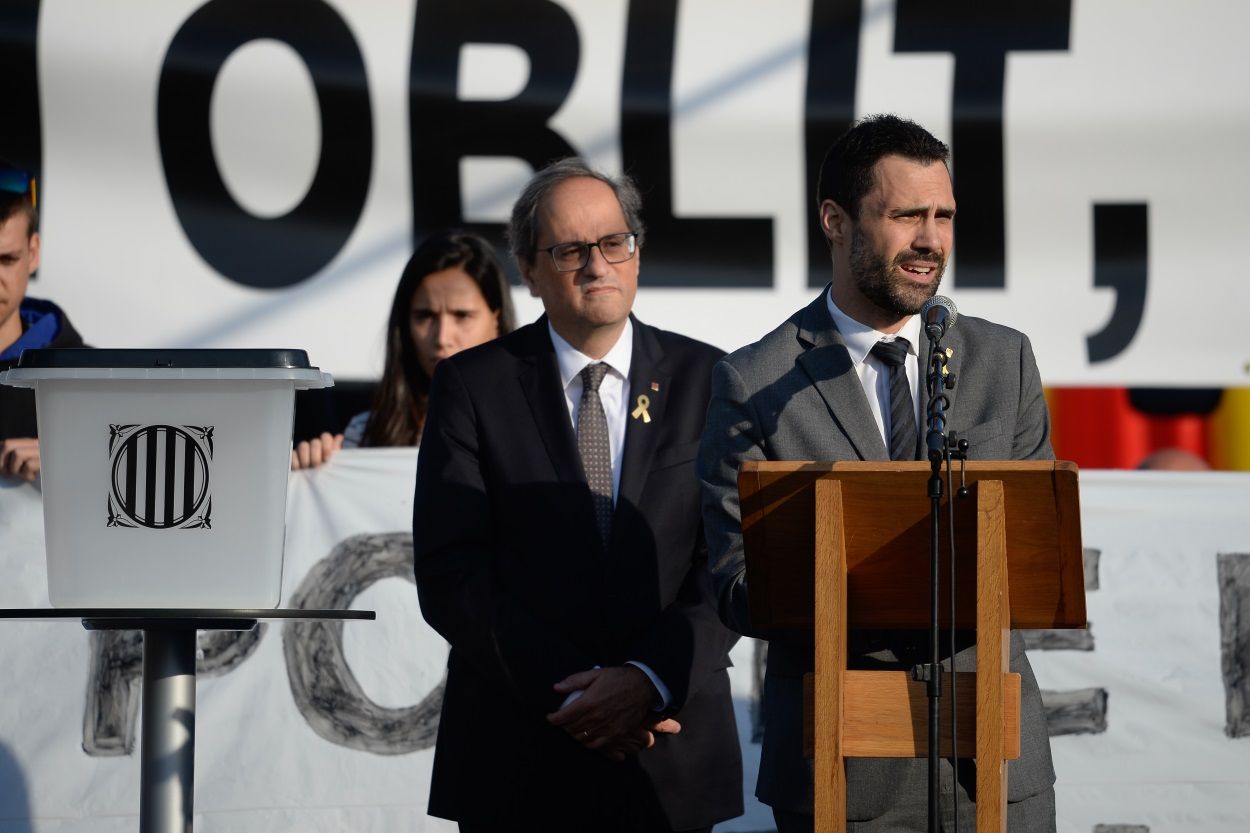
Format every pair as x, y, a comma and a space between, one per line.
819, 387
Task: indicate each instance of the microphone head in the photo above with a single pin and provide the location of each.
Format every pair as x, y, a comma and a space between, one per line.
943, 302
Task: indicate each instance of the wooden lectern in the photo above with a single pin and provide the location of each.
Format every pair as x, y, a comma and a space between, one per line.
838, 546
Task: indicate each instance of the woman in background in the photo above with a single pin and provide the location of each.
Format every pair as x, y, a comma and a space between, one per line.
452, 295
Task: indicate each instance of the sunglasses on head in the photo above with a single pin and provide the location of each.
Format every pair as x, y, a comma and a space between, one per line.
17, 181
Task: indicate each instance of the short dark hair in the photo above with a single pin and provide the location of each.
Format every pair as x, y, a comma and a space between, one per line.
399, 404
12, 205
847, 174
523, 226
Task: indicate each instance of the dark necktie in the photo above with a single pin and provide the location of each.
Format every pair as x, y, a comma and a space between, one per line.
592, 444
902, 408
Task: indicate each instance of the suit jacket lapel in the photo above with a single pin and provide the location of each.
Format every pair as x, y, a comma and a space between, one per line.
828, 364
642, 437
540, 380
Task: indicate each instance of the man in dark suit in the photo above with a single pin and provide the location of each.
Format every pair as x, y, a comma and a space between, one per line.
821, 387
559, 547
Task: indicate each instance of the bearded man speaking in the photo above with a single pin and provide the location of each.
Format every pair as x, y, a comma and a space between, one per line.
841, 380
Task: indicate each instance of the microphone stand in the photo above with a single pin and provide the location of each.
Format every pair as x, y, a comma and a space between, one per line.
939, 451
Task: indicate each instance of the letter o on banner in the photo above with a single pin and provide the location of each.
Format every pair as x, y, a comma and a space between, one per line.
326, 692
265, 253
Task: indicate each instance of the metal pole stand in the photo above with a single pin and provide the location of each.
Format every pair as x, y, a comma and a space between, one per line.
167, 768
167, 751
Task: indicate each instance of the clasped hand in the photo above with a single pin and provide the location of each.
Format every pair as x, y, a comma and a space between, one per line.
615, 714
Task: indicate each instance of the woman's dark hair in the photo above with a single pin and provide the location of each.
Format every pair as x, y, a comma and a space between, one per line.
398, 413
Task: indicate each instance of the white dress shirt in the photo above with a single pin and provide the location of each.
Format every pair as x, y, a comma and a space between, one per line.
614, 394
874, 375
613, 391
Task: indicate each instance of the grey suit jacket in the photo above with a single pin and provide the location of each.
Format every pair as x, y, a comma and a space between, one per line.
794, 395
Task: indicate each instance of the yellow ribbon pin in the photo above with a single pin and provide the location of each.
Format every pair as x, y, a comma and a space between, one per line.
644, 402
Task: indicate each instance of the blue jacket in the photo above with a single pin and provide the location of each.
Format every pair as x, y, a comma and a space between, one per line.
44, 324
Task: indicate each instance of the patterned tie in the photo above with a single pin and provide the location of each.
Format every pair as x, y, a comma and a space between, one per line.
592, 444
902, 409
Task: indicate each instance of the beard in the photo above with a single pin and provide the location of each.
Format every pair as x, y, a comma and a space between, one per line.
885, 284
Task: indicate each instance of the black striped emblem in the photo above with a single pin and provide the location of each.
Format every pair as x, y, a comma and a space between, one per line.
160, 476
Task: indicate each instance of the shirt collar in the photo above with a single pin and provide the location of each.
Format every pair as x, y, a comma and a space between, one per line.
572, 361
860, 338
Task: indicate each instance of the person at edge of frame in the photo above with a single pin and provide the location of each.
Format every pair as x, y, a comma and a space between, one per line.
26, 323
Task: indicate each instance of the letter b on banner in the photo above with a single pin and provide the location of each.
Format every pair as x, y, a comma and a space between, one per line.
256, 251
446, 129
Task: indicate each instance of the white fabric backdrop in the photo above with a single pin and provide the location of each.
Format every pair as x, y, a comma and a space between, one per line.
1105, 121
1163, 761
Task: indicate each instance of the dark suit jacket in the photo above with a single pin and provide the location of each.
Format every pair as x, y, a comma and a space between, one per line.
511, 571
794, 395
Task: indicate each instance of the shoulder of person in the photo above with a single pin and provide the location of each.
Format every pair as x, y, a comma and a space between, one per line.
485, 368
980, 330
682, 347
64, 333
68, 337
499, 354
762, 355
354, 432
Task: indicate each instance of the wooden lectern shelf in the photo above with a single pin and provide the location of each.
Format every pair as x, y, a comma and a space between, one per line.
886, 715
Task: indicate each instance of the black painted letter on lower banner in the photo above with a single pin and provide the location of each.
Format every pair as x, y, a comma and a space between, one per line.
326, 691
1234, 580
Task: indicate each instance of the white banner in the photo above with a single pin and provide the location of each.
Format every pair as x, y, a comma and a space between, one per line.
289, 742
221, 174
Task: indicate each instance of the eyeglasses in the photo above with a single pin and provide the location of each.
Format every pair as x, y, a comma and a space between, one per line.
17, 181
615, 248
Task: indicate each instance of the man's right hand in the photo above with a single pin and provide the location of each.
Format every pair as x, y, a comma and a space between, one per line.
19, 457
636, 741
608, 711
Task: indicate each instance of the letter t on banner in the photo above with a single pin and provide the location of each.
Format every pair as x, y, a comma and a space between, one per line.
980, 35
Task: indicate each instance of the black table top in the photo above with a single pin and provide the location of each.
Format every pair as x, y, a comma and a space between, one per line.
136, 618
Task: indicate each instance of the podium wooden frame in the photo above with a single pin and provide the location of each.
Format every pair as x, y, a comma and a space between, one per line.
835, 546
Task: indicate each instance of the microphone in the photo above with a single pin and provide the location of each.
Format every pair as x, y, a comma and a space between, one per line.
939, 315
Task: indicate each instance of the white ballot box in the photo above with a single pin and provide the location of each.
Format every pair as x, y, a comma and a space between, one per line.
164, 472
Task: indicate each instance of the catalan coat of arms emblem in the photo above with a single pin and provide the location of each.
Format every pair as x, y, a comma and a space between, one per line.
159, 476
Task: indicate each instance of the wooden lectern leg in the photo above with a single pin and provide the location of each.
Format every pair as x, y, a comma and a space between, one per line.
993, 655
830, 631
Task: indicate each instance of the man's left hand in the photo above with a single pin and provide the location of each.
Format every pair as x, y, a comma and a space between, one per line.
615, 704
